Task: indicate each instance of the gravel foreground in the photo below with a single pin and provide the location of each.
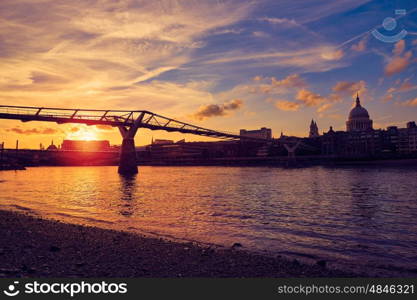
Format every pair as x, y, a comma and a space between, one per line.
34, 247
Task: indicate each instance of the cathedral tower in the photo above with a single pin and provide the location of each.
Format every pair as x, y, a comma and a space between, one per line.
314, 130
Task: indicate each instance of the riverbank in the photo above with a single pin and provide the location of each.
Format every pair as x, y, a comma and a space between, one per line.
33, 157
302, 162
34, 247
6, 167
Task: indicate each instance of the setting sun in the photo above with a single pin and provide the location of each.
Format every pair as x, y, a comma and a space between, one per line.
245, 139
82, 133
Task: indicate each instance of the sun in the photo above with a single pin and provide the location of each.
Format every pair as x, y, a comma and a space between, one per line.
88, 136
82, 133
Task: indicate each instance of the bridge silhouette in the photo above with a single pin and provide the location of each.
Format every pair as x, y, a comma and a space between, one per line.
128, 123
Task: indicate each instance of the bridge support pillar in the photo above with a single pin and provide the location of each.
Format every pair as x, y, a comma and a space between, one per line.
128, 163
291, 161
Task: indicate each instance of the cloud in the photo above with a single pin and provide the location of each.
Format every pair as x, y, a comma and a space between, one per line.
104, 127
318, 58
406, 86
336, 116
387, 98
310, 11
361, 46
276, 86
399, 48
227, 31
280, 21
401, 86
232, 105
30, 131
49, 131
325, 107
260, 34
291, 81
287, 105
399, 62
152, 74
216, 110
333, 55
411, 102
140, 54
181, 20
100, 54
309, 98
350, 87
306, 97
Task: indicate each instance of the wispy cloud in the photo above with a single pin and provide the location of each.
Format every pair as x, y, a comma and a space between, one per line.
287, 105
319, 58
280, 21
272, 85
291, 81
399, 87
308, 11
350, 88
104, 127
28, 131
77, 52
411, 102
325, 107
360, 46
182, 57
333, 54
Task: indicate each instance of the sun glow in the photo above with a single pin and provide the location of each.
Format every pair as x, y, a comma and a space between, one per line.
83, 134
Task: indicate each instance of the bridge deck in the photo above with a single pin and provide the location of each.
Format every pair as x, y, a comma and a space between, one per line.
115, 118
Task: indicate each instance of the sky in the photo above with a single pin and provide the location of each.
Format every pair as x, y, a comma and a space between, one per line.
220, 64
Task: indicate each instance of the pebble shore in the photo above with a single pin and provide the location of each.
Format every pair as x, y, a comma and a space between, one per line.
34, 247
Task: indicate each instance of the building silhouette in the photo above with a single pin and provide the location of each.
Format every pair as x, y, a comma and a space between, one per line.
263, 133
314, 130
359, 119
75, 145
52, 147
360, 140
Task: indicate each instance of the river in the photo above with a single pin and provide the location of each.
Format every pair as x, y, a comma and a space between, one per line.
360, 217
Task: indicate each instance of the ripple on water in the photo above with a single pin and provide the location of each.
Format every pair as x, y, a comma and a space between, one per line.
354, 214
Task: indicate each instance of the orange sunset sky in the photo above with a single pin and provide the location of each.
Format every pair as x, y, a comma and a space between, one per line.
225, 64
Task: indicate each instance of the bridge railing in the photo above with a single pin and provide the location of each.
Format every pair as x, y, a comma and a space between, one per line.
89, 114
114, 118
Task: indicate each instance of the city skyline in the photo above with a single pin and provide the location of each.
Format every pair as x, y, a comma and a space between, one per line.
84, 133
208, 139
226, 66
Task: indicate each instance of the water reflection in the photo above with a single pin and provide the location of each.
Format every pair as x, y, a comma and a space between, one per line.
361, 215
363, 196
128, 186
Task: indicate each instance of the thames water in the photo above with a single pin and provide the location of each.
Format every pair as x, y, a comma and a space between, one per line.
362, 217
